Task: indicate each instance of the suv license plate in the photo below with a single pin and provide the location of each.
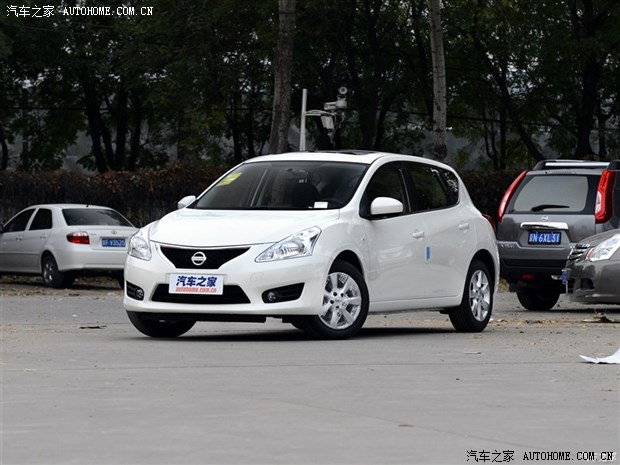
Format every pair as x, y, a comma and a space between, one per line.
538, 237
108, 242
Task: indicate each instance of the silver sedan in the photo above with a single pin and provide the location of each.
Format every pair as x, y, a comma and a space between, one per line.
592, 271
62, 241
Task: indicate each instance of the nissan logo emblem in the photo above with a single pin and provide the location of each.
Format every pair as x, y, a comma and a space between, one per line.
199, 258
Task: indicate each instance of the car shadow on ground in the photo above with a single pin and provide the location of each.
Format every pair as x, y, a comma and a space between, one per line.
256, 335
29, 284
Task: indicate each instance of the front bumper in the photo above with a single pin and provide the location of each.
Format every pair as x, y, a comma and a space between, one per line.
245, 284
593, 282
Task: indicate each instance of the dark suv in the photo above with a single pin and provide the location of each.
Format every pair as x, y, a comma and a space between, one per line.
543, 214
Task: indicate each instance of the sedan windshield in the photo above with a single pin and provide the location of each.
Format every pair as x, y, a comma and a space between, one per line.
284, 186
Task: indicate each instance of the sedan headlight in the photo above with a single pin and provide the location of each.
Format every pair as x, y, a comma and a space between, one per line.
604, 250
297, 245
139, 245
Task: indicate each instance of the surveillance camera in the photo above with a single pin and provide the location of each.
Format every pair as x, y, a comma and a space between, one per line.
342, 91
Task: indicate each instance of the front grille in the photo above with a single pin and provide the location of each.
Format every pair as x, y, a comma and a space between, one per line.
232, 295
577, 252
182, 258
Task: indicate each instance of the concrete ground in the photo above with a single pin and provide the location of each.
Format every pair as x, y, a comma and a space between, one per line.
79, 385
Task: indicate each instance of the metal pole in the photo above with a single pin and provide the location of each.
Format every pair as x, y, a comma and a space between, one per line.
302, 126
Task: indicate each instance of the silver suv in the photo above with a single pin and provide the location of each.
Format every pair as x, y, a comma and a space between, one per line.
543, 214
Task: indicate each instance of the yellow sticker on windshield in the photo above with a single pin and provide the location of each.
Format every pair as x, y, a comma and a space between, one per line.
232, 177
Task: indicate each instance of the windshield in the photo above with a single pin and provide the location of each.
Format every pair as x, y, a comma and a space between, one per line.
284, 186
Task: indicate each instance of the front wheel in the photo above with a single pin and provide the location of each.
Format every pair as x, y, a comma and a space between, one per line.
345, 304
474, 312
150, 326
537, 299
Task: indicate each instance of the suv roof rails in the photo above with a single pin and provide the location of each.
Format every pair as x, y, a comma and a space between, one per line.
559, 164
614, 165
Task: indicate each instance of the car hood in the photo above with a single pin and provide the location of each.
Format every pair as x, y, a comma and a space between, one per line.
219, 228
598, 238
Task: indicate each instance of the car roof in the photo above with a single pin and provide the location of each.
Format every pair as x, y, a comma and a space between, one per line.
348, 156
61, 206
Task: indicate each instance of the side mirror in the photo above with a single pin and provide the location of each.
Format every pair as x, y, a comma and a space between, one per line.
385, 206
185, 201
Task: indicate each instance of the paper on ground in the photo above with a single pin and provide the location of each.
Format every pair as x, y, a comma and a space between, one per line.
615, 358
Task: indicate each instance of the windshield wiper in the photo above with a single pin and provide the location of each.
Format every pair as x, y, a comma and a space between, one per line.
544, 206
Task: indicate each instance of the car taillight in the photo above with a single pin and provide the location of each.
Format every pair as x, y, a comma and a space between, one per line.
78, 238
603, 208
508, 194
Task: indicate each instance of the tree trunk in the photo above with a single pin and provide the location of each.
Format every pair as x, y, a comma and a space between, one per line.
278, 140
5, 151
136, 134
440, 104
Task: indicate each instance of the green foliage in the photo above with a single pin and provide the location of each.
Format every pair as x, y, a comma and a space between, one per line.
142, 196
194, 80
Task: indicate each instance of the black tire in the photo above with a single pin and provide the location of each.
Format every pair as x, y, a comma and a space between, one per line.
474, 312
52, 276
120, 278
152, 327
537, 299
345, 305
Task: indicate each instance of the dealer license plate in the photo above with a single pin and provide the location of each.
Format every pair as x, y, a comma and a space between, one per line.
109, 242
539, 237
196, 284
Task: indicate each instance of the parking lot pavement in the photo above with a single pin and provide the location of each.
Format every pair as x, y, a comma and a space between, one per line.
81, 385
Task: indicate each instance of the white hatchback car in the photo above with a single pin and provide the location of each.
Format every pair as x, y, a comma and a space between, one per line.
61, 241
318, 240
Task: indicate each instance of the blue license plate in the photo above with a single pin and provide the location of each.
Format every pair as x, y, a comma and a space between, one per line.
539, 237
107, 242
565, 276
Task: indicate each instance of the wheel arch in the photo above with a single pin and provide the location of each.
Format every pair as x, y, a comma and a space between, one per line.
351, 258
44, 254
485, 257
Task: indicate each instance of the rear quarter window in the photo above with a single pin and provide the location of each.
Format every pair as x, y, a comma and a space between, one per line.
555, 194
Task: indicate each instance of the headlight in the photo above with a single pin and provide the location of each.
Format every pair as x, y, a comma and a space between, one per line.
604, 250
139, 245
297, 245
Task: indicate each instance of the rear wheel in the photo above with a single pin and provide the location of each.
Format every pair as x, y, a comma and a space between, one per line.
537, 299
345, 304
52, 276
151, 326
474, 312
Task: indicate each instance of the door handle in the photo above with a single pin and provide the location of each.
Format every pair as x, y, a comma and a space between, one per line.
418, 234
464, 226
19, 238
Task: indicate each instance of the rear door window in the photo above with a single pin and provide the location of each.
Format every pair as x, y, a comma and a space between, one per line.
42, 220
555, 194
